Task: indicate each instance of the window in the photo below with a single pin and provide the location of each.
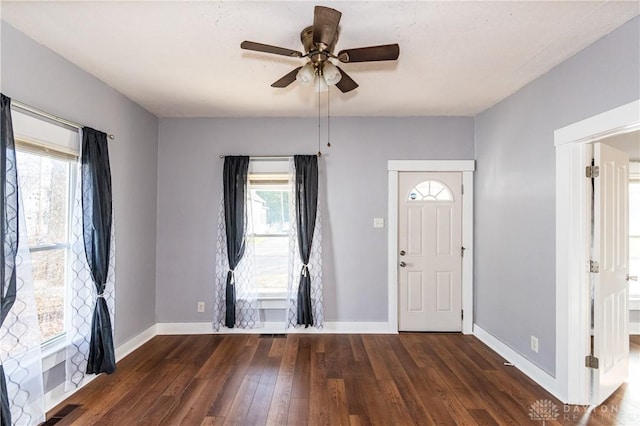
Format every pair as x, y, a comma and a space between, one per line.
269, 198
47, 156
634, 234
45, 183
430, 190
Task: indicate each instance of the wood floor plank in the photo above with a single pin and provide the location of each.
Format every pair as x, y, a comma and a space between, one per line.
240, 406
142, 397
337, 402
298, 412
302, 371
406, 379
279, 407
261, 402
225, 382
318, 410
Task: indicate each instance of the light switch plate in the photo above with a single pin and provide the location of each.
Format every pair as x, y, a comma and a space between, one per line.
378, 222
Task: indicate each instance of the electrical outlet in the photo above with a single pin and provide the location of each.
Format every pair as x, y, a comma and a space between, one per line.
378, 222
200, 307
534, 343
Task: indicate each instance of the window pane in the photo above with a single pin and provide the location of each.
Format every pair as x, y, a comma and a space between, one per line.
270, 211
430, 190
271, 262
44, 184
48, 282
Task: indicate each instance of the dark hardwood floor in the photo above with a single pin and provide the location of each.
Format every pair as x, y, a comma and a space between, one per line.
406, 379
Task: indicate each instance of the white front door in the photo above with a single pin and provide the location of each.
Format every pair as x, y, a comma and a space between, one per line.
610, 288
430, 251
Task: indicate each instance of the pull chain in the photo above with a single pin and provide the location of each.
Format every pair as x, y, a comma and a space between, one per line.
328, 118
318, 85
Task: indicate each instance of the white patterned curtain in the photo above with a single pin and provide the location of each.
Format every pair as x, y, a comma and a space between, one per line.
247, 315
20, 337
22, 401
295, 264
83, 297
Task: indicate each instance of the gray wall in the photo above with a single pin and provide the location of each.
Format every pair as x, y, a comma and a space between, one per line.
354, 177
515, 187
36, 76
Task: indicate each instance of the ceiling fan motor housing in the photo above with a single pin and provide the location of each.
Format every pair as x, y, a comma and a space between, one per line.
317, 53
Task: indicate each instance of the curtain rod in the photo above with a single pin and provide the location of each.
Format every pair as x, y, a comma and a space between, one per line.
269, 157
29, 108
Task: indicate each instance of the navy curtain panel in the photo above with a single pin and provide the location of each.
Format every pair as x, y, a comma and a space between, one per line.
8, 233
96, 223
234, 177
306, 196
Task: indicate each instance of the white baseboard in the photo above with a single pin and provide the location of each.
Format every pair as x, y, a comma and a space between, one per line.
538, 375
56, 395
277, 328
135, 342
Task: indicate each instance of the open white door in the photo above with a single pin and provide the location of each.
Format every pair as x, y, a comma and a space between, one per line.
610, 288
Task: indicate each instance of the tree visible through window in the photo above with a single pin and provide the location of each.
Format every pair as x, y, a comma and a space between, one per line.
269, 207
45, 182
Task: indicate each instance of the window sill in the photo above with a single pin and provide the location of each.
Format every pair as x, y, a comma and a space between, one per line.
272, 299
53, 352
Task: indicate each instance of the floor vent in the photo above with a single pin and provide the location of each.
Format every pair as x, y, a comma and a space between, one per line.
274, 336
64, 412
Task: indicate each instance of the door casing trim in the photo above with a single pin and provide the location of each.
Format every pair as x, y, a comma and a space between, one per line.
466, 167
572, 241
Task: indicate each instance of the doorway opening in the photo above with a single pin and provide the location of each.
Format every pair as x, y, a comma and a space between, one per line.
573, 219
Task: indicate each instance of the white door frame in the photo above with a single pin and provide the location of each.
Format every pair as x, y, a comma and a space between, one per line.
466, 167
572, 242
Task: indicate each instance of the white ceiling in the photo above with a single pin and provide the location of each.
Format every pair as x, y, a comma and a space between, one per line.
183, 58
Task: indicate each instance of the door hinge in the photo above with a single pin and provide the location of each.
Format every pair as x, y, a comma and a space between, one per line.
462, 249
594, 266
591, 361
592, 171
462, 189
462, 314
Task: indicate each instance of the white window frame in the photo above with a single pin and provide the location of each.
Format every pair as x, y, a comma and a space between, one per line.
277, 166
64, 141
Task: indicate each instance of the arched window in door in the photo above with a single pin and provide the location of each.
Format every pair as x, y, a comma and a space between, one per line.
430, 190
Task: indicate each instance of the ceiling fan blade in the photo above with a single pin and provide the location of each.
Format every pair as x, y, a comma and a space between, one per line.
287, 79
387, 52
266, 48
325, 25
346, 83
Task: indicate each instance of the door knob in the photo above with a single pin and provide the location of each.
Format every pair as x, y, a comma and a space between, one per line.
632, 277
402, 264
402, 252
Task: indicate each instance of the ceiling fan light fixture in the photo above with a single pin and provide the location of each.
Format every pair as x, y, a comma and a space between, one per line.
321, 84
331, 73
306, 75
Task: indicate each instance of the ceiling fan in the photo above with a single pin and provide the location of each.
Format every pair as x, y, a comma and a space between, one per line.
319, 41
